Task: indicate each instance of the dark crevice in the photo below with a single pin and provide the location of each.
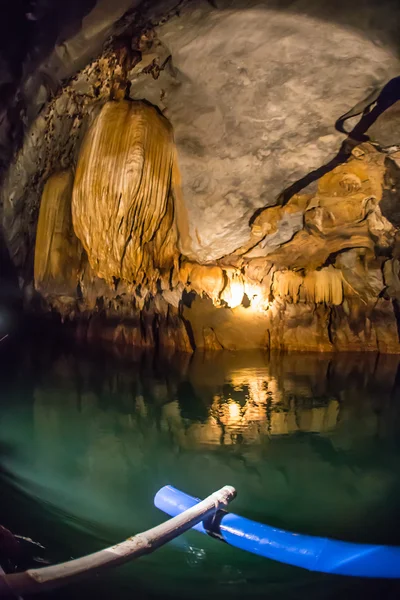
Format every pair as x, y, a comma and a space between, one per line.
396, 310
142, 325
390, 205
156, 331
188, 298
246, 301
330, 325
383, 100
189, 331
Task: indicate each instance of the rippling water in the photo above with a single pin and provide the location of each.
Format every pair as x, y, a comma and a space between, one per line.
311, 443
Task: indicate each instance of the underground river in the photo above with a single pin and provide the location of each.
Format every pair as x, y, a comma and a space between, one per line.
311, 443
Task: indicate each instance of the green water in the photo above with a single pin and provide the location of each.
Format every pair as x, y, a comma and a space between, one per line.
310, 442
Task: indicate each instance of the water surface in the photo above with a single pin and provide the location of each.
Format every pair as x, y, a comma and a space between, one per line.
311, 443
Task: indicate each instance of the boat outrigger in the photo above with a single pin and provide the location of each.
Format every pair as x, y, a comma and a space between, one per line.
324, 555
35, 581
208, 516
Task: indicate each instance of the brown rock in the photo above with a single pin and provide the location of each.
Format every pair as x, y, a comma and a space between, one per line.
210, 339
57, 249
123, 205
203, 279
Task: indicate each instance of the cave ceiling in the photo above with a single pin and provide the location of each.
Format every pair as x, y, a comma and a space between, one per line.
252, 89
258, 182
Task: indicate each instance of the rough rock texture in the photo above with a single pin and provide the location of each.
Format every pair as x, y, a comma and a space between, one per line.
58, 250
253, 90
123, 199
52, 145
55, 39
332, 286
344, 213
336, 288
191, 236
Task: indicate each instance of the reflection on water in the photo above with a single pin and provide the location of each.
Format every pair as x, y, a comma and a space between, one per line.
310, 442
248, 406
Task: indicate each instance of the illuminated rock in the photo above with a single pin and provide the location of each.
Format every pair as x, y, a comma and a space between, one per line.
123, 198
286, 284
203, 279
324, 286
232, 260
344, 213
57, 249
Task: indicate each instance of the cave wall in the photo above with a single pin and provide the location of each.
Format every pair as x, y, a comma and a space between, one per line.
187, 187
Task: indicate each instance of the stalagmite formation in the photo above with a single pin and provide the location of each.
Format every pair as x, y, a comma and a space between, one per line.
123, 197
57, 249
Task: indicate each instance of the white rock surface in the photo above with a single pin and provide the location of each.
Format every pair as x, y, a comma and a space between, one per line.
253, 93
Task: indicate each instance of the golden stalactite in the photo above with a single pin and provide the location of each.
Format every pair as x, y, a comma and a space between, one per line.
286, 284
234, 289
323, 286
201, 279
57, 249
123, 205
180, 210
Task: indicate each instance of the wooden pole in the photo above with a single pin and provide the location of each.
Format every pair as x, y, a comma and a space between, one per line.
40, 580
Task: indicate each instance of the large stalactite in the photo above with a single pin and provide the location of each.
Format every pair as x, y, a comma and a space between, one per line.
123, 198
57, 250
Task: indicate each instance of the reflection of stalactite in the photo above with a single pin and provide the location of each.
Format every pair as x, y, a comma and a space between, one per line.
253, 405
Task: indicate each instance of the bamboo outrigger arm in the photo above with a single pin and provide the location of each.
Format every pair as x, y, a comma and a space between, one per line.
47, 578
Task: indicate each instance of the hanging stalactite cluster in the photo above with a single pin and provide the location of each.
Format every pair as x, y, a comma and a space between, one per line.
123, 197
324, 286
110, 240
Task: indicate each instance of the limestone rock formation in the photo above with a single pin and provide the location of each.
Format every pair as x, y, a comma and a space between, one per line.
123, 198
253, 90
213, 206
203, 279
57, 250
329, 285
